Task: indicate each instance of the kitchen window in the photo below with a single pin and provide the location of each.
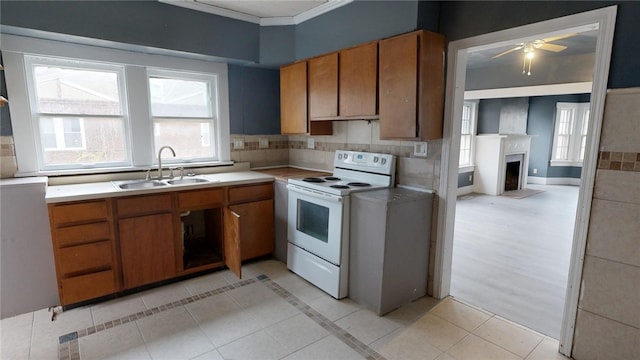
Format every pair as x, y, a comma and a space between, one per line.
570, 135
79, 115
109, 110
182, 110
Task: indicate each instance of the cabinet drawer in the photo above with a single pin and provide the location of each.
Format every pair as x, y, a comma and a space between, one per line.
141, 205
85, 287
241, 194
83, 258
200, 199
72, 213
81, 234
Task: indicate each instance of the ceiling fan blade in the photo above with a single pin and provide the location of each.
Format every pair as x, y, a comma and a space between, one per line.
508, 51
554, 38
551, 47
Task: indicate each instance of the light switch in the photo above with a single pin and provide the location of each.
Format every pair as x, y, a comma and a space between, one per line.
238, 144
311, 143
420, 149
263, 143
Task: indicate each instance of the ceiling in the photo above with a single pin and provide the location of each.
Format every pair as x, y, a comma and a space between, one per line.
291, 12
581, 43
263, 12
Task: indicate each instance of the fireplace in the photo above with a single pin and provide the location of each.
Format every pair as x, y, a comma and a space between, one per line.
513, 172
501, 163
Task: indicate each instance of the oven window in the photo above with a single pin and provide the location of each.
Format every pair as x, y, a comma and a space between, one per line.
313, 220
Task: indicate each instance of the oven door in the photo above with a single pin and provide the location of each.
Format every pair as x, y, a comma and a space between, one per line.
315, 222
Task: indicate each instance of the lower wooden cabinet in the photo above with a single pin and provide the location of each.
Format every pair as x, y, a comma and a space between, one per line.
105, 246
84, 248
248, 232
147, 249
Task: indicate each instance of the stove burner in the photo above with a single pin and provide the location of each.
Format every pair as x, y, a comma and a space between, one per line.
358, 184
339, 186
313, 180
332, 178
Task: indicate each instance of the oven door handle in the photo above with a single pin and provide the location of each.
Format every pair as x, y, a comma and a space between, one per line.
314, 193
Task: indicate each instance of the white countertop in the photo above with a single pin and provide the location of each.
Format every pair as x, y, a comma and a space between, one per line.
88, 191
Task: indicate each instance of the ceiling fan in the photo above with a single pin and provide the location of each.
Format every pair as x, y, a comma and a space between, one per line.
529, 48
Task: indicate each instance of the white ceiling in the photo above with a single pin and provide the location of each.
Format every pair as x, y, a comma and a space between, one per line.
263, 12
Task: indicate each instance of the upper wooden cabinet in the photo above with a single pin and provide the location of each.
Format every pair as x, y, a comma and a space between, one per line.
323, 86
293, 103
343, 85
358, 83
293, 98
411, 86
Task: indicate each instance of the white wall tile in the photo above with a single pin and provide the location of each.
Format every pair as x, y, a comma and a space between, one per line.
623, 186
620, 130
599, 338
614, 231
612, 290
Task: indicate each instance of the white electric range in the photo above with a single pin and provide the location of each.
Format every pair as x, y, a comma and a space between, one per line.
318, 217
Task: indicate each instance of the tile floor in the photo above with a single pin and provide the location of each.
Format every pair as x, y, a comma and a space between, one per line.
270, 314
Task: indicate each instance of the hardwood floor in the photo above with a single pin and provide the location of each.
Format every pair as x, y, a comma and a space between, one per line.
511, 256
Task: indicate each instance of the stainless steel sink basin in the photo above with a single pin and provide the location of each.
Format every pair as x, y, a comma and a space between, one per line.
185, 181
155, 183
139, 184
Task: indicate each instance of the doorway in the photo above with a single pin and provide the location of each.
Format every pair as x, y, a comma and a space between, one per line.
604, 21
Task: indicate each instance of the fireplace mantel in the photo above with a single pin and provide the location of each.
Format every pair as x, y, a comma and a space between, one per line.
491, 153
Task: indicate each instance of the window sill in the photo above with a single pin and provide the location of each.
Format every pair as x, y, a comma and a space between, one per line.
565, 163
117, 170
466, 168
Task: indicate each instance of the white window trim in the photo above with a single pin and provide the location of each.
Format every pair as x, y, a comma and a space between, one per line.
29, 62
15, 47
473, 127
574, 146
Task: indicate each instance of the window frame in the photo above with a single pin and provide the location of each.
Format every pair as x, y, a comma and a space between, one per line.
213, 89
580, 119
30, 61
473, 104
139, 131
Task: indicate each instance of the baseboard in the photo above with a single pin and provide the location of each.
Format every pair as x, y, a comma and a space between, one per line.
552, 181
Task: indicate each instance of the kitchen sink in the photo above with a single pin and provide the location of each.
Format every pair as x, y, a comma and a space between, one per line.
185, 181
155, 183
139, 184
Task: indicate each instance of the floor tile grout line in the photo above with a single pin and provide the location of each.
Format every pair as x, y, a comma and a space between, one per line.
335, 330
69, 343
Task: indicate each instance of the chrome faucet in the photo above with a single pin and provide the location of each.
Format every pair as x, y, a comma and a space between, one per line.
160, 175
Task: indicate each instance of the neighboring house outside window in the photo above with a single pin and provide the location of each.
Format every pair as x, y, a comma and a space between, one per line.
570, 135
467, 133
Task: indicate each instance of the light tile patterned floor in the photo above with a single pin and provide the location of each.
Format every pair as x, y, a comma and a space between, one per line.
270, 314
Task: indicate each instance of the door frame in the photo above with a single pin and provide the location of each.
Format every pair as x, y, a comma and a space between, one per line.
602, 19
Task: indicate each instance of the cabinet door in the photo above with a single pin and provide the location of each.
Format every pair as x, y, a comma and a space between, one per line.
398, 87
232, 251
256, 228
323, 86
358, 80
293, 98
147, 248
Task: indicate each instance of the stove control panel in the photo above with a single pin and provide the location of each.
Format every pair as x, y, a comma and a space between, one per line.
364, 161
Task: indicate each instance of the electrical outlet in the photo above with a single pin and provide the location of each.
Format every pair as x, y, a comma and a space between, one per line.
311, 143
420, 149
470, 177
263, 143
535, 171
238, 144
